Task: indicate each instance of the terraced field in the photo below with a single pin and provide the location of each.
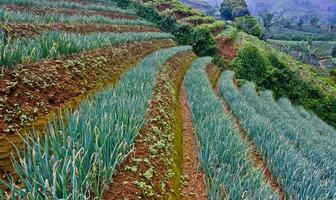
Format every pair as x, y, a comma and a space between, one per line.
98, 103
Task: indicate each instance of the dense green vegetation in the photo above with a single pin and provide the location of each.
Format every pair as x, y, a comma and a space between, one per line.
230, 9
55, 45
223, 153
268, 72
298, 150
80, 151
249, 25
199, 37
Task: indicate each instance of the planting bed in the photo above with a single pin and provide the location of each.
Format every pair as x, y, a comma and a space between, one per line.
18, 30
43, 87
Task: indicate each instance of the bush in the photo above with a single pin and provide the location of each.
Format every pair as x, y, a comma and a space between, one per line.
249, 25
200, 38
333, 54
250, 64
203, 43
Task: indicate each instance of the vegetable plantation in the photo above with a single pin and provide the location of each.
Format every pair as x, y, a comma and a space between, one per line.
286, 139
107, 99
223, 155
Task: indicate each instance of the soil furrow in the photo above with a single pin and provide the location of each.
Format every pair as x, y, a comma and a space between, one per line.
194, 187
150, 171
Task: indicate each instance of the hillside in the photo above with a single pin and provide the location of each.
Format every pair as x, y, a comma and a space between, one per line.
295, 8
151, 99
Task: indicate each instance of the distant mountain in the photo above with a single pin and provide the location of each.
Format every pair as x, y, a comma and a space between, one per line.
201, 5
295, 8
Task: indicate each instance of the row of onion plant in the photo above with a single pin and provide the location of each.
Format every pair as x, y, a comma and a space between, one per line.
224, 156
68, 5
283, 141
78, 155
57, 44
30, 17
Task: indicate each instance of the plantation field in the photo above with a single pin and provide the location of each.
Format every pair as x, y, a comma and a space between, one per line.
133, 100
321, 49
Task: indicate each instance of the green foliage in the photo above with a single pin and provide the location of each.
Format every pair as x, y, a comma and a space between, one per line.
203, 42
56, 44
230, 9
80, 152
220, 62
250, 25
199, 37
251, 64
268, 72
224, 156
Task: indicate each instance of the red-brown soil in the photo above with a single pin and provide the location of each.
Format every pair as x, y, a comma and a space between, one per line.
256, 156
29, 93
65, 11
194, 187
213, 73
13, 30
153, 148
226, 48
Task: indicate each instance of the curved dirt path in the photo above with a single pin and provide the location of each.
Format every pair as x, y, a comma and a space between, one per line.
194, 186
150, 171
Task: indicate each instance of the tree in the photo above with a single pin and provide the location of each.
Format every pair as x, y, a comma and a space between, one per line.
333, 54
314, 21
250, 25
230, 9
267, 20
300, 23
203, 43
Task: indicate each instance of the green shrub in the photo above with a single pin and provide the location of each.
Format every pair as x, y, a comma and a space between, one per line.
250, 64
249, 25
203, 42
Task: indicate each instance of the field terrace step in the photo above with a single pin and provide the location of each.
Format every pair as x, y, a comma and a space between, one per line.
44, 87
67, 11
18, 30
223, 154
101, 132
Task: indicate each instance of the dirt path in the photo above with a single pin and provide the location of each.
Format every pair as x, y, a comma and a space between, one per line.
256, 156
150, 172
194, 186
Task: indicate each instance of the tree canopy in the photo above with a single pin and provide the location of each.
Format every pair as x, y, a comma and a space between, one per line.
230, 9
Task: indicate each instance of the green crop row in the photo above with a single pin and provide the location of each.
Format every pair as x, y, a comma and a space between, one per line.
223, 154
298, 152
55, 45
81, 150
27, 17
68, 5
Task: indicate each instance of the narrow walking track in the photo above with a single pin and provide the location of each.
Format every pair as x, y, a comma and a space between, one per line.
256, 156
150, 172
194, 184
